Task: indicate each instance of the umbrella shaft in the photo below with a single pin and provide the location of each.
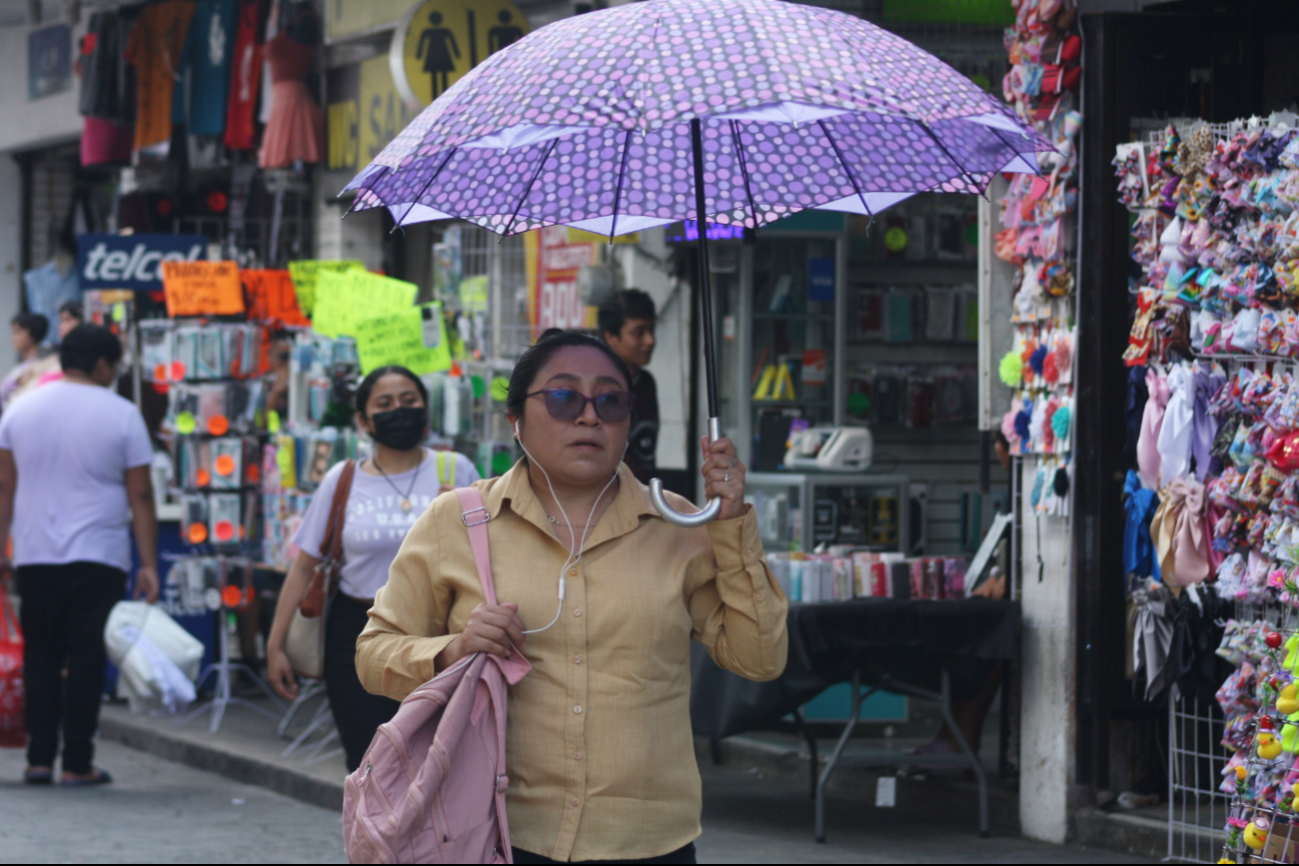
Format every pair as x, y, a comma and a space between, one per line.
705, 287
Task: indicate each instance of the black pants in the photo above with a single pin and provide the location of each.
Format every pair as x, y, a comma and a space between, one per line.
357, 713
64, 610
681, 855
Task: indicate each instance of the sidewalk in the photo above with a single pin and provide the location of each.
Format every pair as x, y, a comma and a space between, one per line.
756, 804
245, 749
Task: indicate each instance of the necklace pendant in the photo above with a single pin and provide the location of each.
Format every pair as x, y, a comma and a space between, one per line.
405, 505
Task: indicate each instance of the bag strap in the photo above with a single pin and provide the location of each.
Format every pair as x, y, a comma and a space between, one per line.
332, 546
446, 468
475, 516
8, 618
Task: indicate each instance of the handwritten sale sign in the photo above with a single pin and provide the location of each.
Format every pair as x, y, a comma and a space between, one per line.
202, 288
398, 338
271, 297
306, 276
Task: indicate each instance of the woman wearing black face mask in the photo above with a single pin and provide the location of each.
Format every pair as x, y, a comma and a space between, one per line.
388, 492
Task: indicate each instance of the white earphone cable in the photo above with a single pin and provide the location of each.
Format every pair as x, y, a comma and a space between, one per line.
572, 559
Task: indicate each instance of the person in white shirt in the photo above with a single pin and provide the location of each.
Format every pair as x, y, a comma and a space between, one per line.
389, 492
74, 475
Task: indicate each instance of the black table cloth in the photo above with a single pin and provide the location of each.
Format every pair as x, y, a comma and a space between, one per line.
902, 640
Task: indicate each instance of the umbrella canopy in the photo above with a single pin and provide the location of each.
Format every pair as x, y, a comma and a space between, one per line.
588, 122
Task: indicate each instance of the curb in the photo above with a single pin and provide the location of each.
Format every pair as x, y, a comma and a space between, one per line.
225, 762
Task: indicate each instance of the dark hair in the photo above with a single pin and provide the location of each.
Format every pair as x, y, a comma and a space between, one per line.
367, 385
33, 323
85, 345
73, 309
621, 306
536, 356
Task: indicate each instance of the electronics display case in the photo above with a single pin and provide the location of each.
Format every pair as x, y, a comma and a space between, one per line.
801, 510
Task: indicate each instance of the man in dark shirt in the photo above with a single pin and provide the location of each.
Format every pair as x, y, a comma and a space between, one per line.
626, 321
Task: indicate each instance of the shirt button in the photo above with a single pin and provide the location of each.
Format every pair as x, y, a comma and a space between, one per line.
578, 709
577, 611
572, 572
759, 597
577, 756
748, 551
577, 660
574, 801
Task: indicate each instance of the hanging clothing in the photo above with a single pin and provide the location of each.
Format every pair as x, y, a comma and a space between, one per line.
154, 48
1152, 420
107, 80
1174, 442
296, 130
1178, 532
104, 142
246, 77
272, 30
200, 102
1138, 547
47, 289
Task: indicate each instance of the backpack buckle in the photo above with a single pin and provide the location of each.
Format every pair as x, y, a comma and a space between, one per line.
487, 515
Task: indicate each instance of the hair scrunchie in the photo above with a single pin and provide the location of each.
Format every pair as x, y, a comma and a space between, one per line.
1037, 359
1011, 369
1060, 422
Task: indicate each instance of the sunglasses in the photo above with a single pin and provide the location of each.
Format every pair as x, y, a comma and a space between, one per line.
567, 405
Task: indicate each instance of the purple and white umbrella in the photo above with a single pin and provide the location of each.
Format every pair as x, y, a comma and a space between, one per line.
738, 112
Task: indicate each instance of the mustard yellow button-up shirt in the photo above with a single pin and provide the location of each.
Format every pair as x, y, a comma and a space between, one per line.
599, 751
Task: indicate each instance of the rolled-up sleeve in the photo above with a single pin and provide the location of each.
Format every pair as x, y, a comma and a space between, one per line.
738, 610
408, 623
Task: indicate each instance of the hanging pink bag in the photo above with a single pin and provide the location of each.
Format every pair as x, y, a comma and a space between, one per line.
13, 722
431, 788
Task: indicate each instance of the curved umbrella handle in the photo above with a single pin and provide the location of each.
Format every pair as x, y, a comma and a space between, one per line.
699, 518
671, 515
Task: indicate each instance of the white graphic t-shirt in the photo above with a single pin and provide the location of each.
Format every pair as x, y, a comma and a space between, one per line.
376, 524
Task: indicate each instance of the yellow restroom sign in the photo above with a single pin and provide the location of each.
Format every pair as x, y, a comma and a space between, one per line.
440, 40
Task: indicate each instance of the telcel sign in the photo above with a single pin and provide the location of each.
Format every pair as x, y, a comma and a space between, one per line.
132, 261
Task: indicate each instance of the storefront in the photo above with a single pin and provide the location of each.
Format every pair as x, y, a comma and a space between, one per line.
892, 328
1171, 94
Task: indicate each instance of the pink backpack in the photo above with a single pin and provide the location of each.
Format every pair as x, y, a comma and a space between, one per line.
431, 788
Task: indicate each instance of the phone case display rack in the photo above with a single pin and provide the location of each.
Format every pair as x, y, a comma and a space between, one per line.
1216, 213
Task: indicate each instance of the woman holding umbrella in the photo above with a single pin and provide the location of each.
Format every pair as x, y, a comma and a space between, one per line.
603, 596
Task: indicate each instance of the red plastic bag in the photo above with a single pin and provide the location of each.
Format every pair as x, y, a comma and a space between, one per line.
13, 721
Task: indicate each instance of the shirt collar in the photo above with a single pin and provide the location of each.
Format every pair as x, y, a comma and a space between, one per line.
629, 505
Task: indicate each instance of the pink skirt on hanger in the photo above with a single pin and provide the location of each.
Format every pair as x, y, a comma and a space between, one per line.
296, 130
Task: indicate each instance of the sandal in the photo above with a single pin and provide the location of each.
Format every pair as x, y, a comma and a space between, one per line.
101, 777
38, 777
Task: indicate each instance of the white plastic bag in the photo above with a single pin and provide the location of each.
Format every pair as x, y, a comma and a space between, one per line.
157, 659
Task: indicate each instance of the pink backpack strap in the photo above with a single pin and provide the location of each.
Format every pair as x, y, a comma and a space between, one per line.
475, 518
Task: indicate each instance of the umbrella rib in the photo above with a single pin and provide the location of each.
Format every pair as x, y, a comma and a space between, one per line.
1002, 139
357, 197
744, 171
424, 188
527, 192
617, 196
925, 126
852, 176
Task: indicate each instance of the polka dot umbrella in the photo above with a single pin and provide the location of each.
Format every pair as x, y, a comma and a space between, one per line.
738, 112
